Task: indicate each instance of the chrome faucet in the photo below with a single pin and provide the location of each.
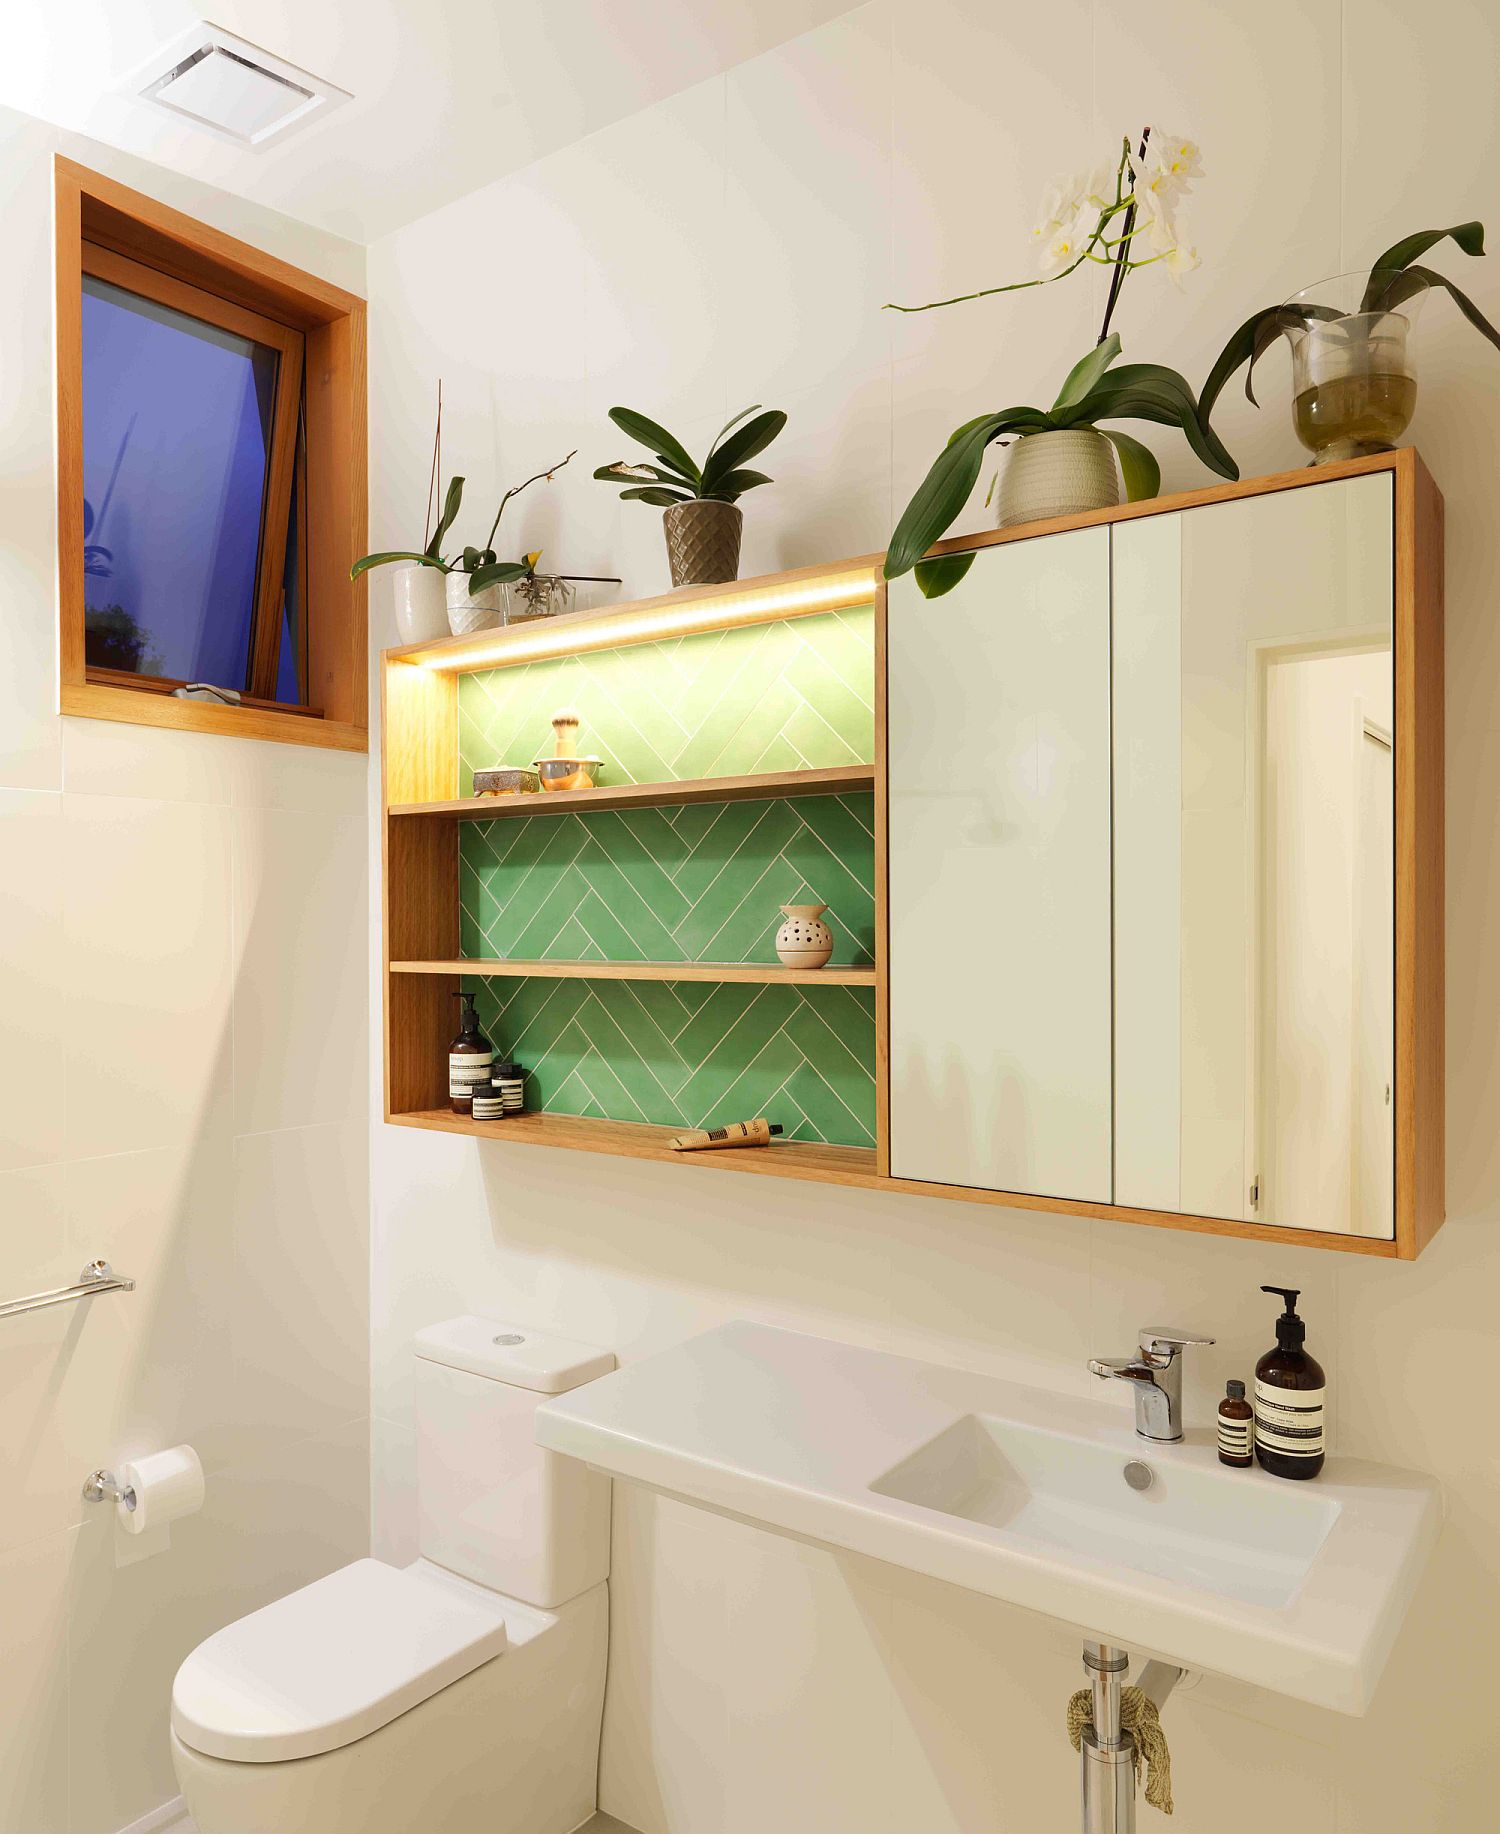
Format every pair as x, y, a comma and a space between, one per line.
1157, 1374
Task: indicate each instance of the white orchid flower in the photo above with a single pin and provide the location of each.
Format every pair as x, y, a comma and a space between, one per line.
1177, 157
1063, 247
1179, 261
1154, 198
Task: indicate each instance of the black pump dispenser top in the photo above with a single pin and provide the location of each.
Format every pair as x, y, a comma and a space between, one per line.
1291, 1331
468, 1019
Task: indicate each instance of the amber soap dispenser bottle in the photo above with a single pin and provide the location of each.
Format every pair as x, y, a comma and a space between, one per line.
471, 1059
1289, 1394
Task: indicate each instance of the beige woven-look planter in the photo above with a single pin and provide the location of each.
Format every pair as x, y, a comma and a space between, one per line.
1057, 474
703, 542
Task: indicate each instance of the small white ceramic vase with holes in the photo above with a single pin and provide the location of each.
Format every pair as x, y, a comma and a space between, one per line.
421, 609
1057, 474
804, 940
466, 614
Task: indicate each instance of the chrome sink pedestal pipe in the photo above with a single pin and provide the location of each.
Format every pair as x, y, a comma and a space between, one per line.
1107, 1753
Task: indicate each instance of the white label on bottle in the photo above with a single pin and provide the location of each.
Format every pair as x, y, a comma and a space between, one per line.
1234, 1437
1289, 1420
466, 1068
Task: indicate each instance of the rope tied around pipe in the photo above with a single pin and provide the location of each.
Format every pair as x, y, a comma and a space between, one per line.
1140, 1719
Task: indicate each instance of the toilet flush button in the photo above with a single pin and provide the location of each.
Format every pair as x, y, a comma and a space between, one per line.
507, 1338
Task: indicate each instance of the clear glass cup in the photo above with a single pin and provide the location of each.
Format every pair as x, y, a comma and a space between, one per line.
538, 595
1354, 384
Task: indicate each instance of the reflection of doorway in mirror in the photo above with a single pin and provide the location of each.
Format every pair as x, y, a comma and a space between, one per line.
1324, 912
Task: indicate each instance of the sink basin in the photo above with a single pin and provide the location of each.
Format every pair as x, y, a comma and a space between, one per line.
1068, 1496
1023, 1495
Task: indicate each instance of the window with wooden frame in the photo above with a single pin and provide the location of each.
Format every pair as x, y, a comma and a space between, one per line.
211, 489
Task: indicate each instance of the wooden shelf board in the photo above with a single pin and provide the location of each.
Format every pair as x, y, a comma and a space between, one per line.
770, 973
764, 785
637, 1140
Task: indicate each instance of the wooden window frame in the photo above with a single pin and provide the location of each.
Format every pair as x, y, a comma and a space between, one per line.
129, 239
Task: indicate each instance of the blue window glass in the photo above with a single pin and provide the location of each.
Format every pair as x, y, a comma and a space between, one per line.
177, 422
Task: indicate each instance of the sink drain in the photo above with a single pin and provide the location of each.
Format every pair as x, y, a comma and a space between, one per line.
1139, 1476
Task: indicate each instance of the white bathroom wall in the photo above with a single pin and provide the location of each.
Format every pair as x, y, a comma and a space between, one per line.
182, 1089
734, 245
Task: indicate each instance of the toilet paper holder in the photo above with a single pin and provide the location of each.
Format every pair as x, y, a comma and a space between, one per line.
101, 1487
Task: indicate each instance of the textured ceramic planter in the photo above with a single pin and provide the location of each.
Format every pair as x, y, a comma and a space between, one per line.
421, 608
1057, 474
804, 940
703, 542
465, 614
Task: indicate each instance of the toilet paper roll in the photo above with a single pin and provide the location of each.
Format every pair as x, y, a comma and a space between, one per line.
165, 1485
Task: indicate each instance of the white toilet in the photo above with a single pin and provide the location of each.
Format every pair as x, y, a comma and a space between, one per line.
459, 1695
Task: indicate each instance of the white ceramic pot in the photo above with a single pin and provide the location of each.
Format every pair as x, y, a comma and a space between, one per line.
467, 614
1057, 474
804, 940
421, 608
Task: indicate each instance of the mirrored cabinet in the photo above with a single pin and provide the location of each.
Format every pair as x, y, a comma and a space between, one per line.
1165, 863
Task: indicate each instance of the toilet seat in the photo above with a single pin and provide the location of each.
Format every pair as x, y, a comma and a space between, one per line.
333, 1662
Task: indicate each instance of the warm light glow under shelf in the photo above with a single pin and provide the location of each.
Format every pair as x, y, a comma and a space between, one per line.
618, 626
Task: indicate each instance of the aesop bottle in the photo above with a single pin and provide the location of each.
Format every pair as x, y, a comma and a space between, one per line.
470, 1057
1289, 1394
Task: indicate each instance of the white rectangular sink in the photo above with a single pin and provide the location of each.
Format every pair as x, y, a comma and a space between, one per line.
1023, 1495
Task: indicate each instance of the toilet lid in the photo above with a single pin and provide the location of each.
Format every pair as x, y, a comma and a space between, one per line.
333, 1662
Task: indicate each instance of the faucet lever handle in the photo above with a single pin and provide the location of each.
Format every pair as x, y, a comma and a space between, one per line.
1165, 1340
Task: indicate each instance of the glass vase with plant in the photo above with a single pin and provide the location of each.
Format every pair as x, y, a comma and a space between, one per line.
1354, 381
1063, 460
702, 518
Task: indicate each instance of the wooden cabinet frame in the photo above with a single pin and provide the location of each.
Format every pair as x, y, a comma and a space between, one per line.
421, 852
123, 236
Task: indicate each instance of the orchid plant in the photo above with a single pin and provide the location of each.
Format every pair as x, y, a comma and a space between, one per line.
1120, 218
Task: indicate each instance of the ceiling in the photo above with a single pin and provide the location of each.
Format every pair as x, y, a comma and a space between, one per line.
448, 94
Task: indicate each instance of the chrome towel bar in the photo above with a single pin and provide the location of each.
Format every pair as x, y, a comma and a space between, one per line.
97, 1277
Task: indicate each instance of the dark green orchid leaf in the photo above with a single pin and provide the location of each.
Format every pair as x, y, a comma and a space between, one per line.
1150, 391
654, 493
655, 439
495, 573
451, 504
384, 559
944, 491
734, 484
1138, 465
935, 577
751, 439
1087, 371
1468, 236
1471, 312
728, 427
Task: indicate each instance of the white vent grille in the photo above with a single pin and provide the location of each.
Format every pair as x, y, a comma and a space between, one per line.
231, 87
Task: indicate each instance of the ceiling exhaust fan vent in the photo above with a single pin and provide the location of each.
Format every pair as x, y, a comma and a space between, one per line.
232, 88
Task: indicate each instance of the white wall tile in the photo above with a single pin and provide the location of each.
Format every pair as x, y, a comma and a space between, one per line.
157, 763
34, 1752
34, 971
299, 1319
146, 925
300, 1023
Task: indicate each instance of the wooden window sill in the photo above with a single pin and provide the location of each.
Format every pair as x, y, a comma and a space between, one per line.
94, 701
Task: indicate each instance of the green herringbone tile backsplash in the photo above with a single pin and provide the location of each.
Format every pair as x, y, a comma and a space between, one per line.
766, 697
698, 883
692, 1054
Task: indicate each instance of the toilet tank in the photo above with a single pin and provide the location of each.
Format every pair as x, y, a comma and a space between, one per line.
493, 1505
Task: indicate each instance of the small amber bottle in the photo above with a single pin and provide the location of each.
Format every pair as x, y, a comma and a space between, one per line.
1236, 1428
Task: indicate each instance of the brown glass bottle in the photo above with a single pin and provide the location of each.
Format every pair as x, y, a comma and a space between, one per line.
1290, 1389
1236, 1428
470, 1058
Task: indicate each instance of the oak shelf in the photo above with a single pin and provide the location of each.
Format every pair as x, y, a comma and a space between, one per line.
767, 973
764, 785
640, 1140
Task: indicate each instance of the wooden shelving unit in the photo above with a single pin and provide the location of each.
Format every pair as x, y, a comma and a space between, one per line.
768, 974
835, 781
426, 815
